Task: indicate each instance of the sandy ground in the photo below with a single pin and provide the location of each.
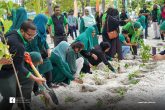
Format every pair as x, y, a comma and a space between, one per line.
104, 90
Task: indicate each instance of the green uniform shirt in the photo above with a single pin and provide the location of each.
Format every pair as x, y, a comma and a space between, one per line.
50, 23
122, 39
25, 43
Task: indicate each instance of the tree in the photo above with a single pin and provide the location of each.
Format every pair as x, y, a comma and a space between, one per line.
82, 5
103, 5
87, 2
49, 4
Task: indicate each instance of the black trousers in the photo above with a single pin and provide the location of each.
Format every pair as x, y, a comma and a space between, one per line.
146, 30
86, 67
115, 47
134, 48
7, 90
58, 39
26, 87
162, 37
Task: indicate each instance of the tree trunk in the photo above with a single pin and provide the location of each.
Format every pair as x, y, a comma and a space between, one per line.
49, 3
97, 5
87, 2
83, 7
123, 2
103, 6
22, 3
75, 8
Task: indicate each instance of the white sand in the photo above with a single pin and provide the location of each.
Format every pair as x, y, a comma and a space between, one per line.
116, 93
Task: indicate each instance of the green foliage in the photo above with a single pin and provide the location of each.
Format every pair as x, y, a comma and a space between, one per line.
69, 99
81, 76
133, 75
94, 68
135, 81
145, 52
7, 24
142, 65
65, 6
97, 80
99, 103
6, 7
106, 69
4, 52
121, 91
126, 65
158, 48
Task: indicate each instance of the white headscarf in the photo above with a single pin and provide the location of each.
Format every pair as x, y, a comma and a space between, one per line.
90, 19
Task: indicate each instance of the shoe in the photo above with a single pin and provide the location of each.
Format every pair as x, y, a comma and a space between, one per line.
53, 85
156, 38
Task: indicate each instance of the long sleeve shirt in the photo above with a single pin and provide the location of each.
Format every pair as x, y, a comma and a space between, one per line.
17, 49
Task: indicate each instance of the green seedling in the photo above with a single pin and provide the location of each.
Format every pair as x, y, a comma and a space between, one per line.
121, 91
69, 99
94, 68
133, 75
97, 80
134, 81
159, 49
81, 76
145, 52
126, 65
106, 69
142, 65
99, 103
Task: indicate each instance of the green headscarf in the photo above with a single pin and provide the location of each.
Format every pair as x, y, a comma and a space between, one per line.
137, 25
35, 56
86, 38
142, 21
162, 26
60, 50
20, 17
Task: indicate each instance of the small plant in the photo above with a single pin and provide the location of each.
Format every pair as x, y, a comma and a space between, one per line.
158, 48
133, 75
142, 65
121, 91
81, 76
97, 80
163, 47
99, 103
134, 81
69, 99
106, 69
145, 53
118, 62
94, 68
126, 65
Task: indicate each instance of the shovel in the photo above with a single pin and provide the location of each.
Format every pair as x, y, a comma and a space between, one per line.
46, 91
